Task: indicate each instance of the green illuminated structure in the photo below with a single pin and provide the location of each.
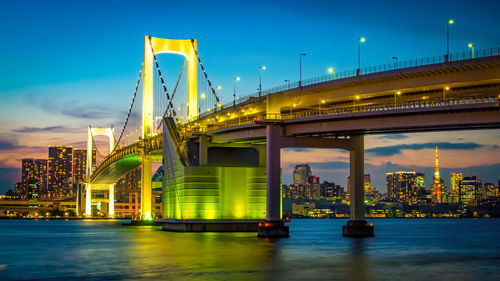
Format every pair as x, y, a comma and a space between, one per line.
220, 190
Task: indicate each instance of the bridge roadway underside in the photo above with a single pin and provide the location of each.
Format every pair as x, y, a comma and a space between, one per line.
117, 169
452, 117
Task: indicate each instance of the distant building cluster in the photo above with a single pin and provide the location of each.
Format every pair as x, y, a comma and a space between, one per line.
406, 195
58, 184
57, 177
61, 178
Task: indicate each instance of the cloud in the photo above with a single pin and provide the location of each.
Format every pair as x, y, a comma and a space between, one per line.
396, 149
53, 129
77, 110
8, 145
393, 136
329, 165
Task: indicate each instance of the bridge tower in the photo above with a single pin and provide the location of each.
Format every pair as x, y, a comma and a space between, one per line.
109, 132
152, 46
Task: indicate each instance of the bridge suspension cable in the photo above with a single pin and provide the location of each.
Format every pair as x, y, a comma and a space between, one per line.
95, 145
130, 109
164, 86
178, 79
218, 103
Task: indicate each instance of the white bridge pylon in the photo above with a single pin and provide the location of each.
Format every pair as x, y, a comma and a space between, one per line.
109, 132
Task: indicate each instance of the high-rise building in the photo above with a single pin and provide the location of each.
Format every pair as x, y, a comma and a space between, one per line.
455, 179
314, 188
401, 187
80, 164
436, 187
489, 190
301, 174
60, 171
329, 190
127, 185
366, 184
420, 180
470, 190
34, 178
424, 196
19, 189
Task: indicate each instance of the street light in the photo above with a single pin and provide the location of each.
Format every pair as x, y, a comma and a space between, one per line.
300, 69
450, 22
319, 105
218, 88
234, 92
398, 93
472, 49
263, 67
332, 72
397, 60
444, 92
361, 40
356, 98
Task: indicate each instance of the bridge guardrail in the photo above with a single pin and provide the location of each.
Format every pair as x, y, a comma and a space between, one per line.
462, 56
426, 103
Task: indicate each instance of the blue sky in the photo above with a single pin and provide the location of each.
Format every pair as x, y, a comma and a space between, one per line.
68, 64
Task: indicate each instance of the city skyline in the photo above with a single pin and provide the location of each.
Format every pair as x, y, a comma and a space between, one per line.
51, 94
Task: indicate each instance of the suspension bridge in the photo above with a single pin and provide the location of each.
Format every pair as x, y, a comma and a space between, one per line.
221, 162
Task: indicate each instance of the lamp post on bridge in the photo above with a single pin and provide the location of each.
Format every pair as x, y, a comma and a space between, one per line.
263, 67
288, 83
217, 92
331, 70
398, 93
472, 50
444, 93
450, 22
397, 61
354, 101
360, 40
234, 92
319, 105
300, 69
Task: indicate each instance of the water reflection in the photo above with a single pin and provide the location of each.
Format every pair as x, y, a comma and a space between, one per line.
358, 261
402, 249
198, 255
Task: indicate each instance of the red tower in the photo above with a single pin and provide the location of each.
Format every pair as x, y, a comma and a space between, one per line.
436, 191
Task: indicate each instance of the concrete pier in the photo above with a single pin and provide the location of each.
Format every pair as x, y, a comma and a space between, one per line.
209, 225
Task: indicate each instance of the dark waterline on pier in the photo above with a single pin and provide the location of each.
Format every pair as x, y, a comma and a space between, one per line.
403, 249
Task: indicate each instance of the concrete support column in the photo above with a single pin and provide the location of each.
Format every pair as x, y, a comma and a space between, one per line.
111, 204
88, 198
357, 226
357, 172
146, 185
273, 226
203, 153
273, 134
